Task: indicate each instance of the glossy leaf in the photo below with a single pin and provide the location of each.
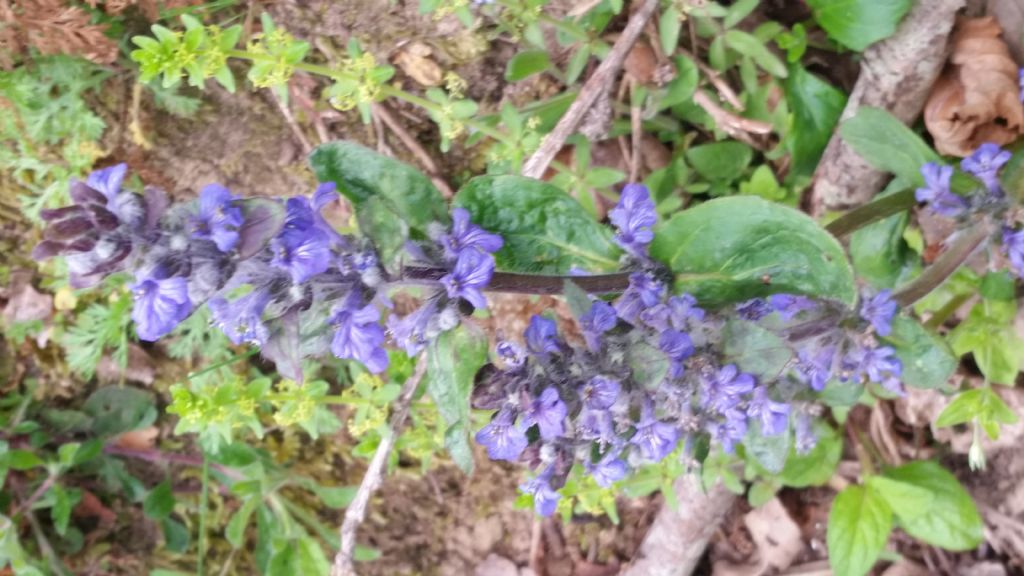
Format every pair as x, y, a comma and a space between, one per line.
858, 24
858, 527
403, 192
731, 249
545, 230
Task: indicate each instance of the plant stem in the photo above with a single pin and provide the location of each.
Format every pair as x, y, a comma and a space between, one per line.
942, 314
223, 363
204, 502
945, 265
872, 212
530, 283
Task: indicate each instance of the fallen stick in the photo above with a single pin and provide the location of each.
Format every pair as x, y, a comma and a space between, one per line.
896, 75
594, 87
676, 541
356, 511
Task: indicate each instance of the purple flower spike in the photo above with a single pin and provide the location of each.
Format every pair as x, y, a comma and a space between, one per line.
596, 425
722, 391
218, 218
789, 305
609, 470
541, 335
773, 416
654, 438
936, 192
466, 235
545, 499
634, 216
985, 164
598, 320
643, 292
806, 439
471, 274
1013, 247
600, 392
815, 366
242, 320
548, 412
879, 310
161, 303
883, 367
410, 331
511, 353
107, 181
502, 438
357, 334
753, 309
303, 252
730, 430
678, 347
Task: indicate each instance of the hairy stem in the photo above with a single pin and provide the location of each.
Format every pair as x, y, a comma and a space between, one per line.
530, 283
945, 265
872, 212
356, 512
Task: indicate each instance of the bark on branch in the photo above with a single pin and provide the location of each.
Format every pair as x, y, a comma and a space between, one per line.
896, 75
677, 539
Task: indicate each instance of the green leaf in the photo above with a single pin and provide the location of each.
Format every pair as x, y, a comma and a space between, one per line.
378, 222
738, 11
879, 252
768, 451
748, 45
763, 183
951, 521
176, 536
159, 503
755, 349
452, 362
235, 530
669, 25
816, 106
337, 497
731, 249
817, 466
578, 300
761, 493
526, 64
858, 24
724, 161
683, 87
402, 191
886, 144
545, 230
63, 502
858, 527
117, 409
927, 360
981, 403
905, 500
987, 335
648, 364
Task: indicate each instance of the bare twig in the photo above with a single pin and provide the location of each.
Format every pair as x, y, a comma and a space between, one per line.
594, 87
734, 125
356, 512
636, 124
289, 119
26, 506
382, 112
724, 90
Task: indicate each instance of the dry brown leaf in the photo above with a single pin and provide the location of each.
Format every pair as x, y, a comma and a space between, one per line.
977, 98
141, 439
777, 539
416, 60
91, 507
641, 63
52, 27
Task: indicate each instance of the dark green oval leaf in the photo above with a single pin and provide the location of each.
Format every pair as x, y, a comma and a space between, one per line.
888, 145
731, 249
816, 107
927, 360
545, 230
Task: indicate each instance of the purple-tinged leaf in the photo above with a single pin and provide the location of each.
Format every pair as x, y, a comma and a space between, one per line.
81, 193
283, 346
264, 218
156, 204
47, 249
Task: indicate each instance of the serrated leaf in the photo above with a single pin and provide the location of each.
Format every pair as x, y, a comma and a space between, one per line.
951, 521
731, 249
545, 230
858, 527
